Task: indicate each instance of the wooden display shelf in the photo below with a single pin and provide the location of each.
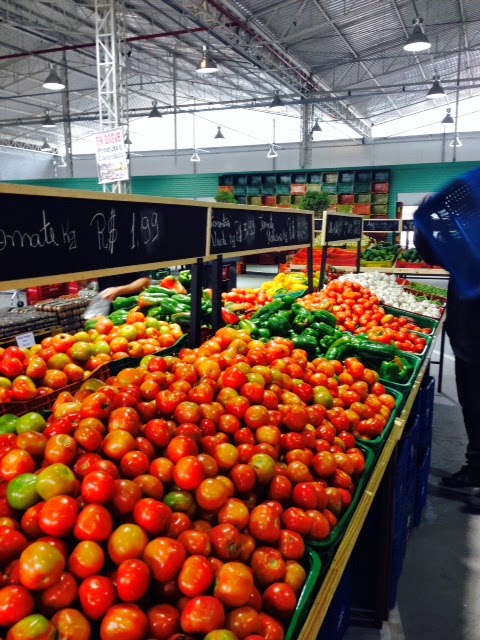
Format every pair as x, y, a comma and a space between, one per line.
329, 586
391, 270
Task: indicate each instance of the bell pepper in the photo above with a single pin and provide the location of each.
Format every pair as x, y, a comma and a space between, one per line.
270, 309
183, 318
307, 343
171, 306
158, 313
263, 334
146, 299
341, 348
323, 328
125, 303
325, 316
301, 321
90, 324
182, 299
397, 370
278, 326
172, 283
327, 342
376, 350
247, 325
157, 289
119, 317
185, 278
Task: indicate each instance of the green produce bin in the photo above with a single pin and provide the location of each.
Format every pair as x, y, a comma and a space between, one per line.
313, 566
326, 548
424, 322
377, 443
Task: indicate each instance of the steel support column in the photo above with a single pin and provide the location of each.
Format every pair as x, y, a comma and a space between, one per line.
67, 125
306, 136
112, 73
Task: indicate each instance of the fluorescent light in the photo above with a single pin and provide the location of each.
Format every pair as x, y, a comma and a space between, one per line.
448, 118
277, 102
271, 152
219, 133
48, 123
436, 90
417, 41
195, 157
207, 65
154, 113
53, 81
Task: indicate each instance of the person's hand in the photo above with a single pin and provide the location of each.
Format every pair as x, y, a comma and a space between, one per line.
109, 294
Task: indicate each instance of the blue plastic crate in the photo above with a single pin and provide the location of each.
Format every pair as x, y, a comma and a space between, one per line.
450, 221
426, 399
398, 555
421, 486
337, 619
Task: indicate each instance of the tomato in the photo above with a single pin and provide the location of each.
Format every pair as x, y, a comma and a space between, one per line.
234, 512
98, 487
94, 522
58, 515
320, 526
270, 629
164, 621
181, 446
96, 405
152, 515
60, 595
16, 603
263, 466
243, 622
41, 565
86, 559
280, 600
179, 523
264, 524
133, 580
196, 542
196, 576
97, 594
295, 575
70, 623
56, 479
233, 584
165, 558
211, 494
32, 627
202, 615
188, 472
126, 542
268, 565
127, 494
14, 463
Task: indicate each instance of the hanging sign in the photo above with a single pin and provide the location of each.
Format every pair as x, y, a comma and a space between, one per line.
341, 227
408, 225
381, 225
111, 157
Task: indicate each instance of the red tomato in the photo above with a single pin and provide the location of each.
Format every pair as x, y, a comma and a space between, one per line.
60, 595
97, 594
264, 524
268, 565
280, 600
202, 615
188, 472
133, 580
58, 516
270, 629
126, 621
164, 621
98, 487
165, 558
211, 494
225, 540
196, 542
16, 602
86, 559
233, 584
126, 542
127, 494
70, 623
33, 627
94, 522
243, 622
41, 565
196, 576
12, 543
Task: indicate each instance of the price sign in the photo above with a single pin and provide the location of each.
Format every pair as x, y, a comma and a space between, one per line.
381, 225
408, 225
54, 233
235, 230
318, 224
341, 227
25, 340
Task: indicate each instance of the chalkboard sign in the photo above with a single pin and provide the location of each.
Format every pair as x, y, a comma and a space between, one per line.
318, 224
408, 225
381, 225
342, 227
46, 235
237, 230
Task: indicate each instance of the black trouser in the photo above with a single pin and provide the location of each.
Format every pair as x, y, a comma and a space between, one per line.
466, 377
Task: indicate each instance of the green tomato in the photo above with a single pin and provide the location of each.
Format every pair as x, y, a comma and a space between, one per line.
33, 627
8, 423
144, 362
321, 395
56, 479
153, 322
22, 491
6, 383
31, 421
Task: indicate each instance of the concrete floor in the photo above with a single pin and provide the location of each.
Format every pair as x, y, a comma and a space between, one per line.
439, 589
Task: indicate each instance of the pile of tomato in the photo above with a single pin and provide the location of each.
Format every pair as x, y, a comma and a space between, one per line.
174, 500
358, 311
246, 301
65, 358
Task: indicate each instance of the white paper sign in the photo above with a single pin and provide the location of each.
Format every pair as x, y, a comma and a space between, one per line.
112, 163
25, 340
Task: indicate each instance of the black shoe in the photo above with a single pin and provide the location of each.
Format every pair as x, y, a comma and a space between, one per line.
473, 504
466, 477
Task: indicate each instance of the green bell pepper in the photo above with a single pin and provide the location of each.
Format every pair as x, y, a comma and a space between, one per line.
263, 334
181, 298
125, 303
307, 343
159, 289
325, 316
278, 326
247, 325
185, 278
182, 318
302, 319
397, 370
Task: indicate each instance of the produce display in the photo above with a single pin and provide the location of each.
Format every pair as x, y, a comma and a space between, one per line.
67, 358
388, 291
289, 282
245, 301
358, 311
177, 497
22, 320
410, 255
381, 252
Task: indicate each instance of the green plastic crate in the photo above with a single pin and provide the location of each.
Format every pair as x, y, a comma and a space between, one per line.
326, 548
239, 190
379, 198
333, 199
313, 566
377, 443
381, 175
296, 199
347, 176
404, 388
268, 189
255, 200
424, 322
284, 178
314, 187
345, 188
315, 178
283, 189
254, 181
362, 198
240, 181
299, 178
329, 187
345, 208
379, 209
363, 176
241, 199
330, 176
225, 181
362, 187
269, 179
253, 190
284, 199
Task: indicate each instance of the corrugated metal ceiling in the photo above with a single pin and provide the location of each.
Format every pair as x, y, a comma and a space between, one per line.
348, 54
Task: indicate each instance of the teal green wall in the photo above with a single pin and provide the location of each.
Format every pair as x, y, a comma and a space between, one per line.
411, 178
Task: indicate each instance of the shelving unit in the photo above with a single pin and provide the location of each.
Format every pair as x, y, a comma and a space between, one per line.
361, 192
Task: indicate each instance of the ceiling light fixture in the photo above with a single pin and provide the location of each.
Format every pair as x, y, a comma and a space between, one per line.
219, 133
48, 123
448, 119
277, 102
456, 142
271, 152
127, 140
207, 65
436, 90
316, 127
53, 81
154, 113
45, 146
195, 157
417, 40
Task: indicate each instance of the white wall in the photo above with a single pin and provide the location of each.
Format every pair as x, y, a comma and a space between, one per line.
22, 164
376, 152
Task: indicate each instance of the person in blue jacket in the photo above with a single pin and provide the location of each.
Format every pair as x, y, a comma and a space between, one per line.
462, 328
